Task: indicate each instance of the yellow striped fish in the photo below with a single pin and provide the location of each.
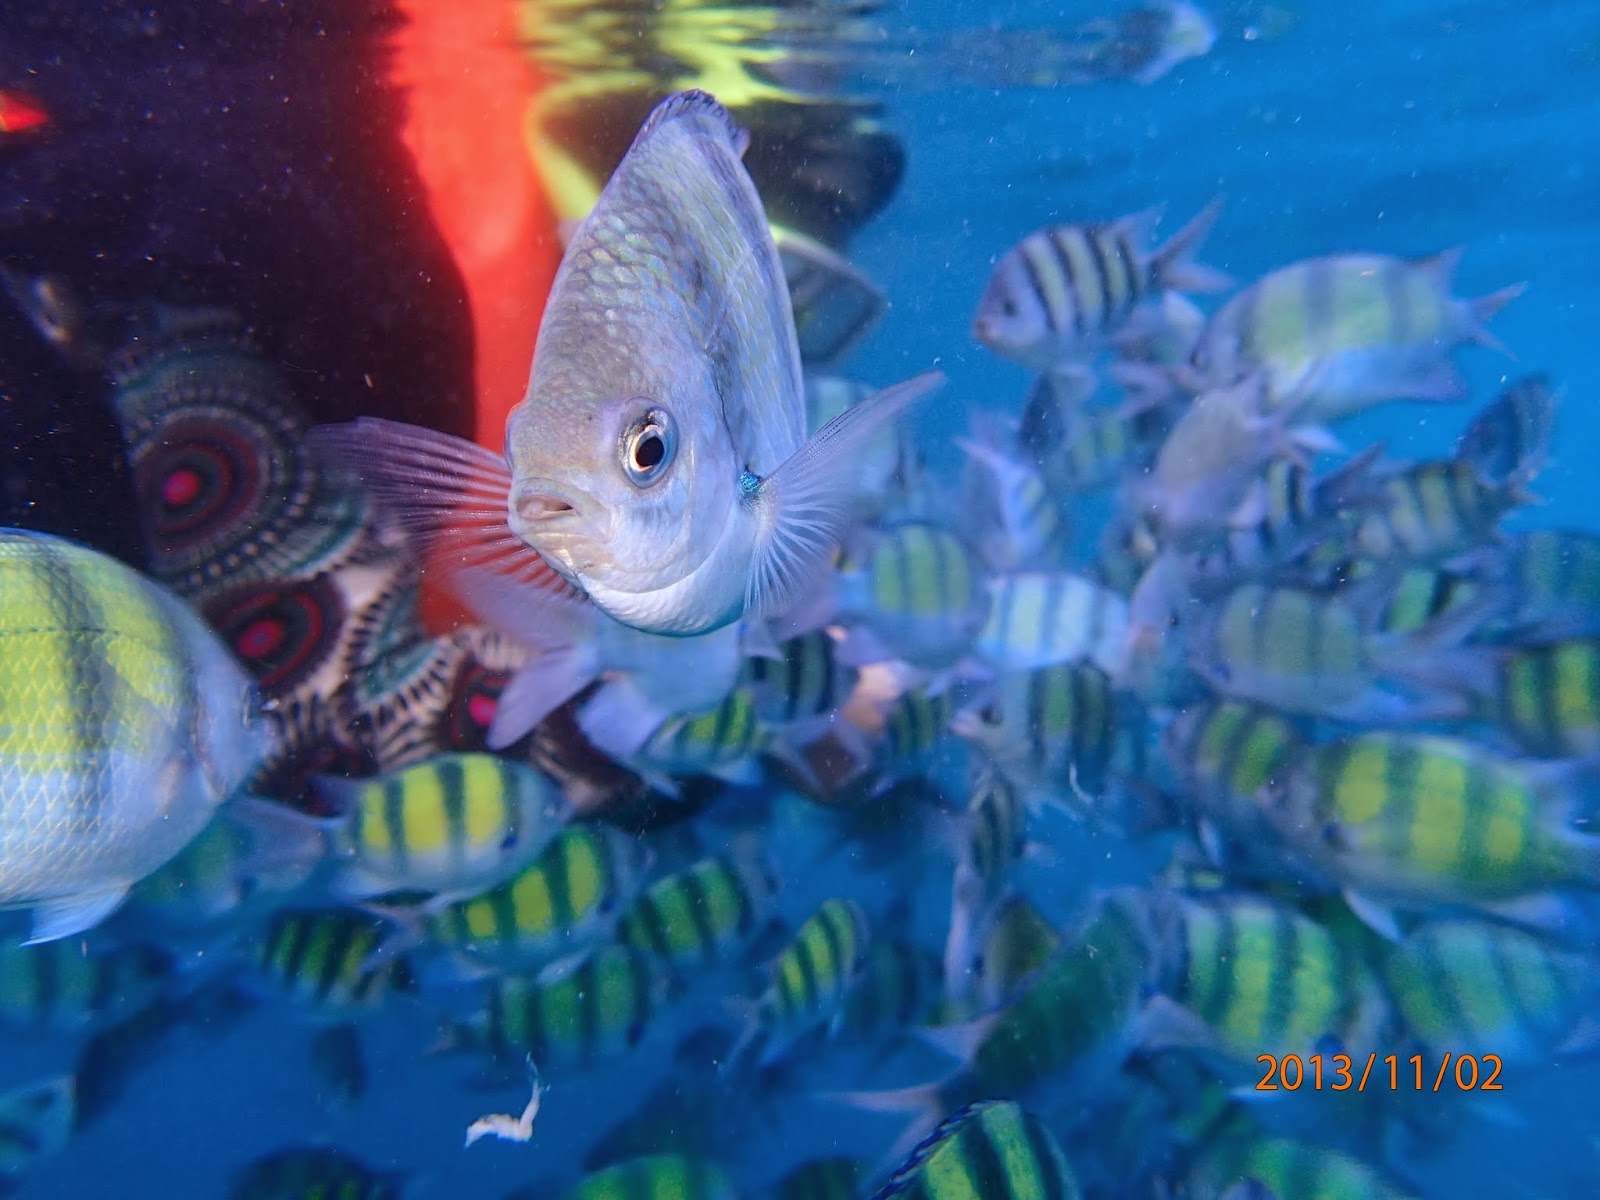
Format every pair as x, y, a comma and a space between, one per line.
1480, 987
72, 987
1547, 697
1042, 618
453, 825
564, 900
1339, 334
578, 1013
323, 961
1242, 976
1066, 289
990, 1150
810, 979
704, 914
1423, 818
125, 724
917, 596
657, 1177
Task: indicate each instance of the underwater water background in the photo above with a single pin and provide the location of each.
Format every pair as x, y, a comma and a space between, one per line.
1404, 127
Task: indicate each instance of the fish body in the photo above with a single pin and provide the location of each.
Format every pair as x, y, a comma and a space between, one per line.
67, 987
1339, 334
704, 914
1546, 696
1421, 817
989, 1150
323, 961
1225, 753
654, 458
1043, 618
1047, 730
582, 1013
1011, 513
128, 725
657, 1177
898, 990
455, 825
1259, 977
1480, 987
1065, 290
1431, 512
812, 976
1508, 442
1555, 581
1312, 653
561, 902
1103, 446
918, 593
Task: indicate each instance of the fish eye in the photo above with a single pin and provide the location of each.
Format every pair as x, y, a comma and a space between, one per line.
990, 714
648, 447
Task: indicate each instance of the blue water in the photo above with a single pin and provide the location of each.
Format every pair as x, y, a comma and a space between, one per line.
1403, 127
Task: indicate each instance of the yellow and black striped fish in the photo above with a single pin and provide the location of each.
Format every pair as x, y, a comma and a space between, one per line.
1481, 987
323, 960
704, 914
989, 1150
582, 1013
67, 986
1547, 696
558, 904
657, 1177
811, 976
1066, 289
455, 824
918, 592
125, 724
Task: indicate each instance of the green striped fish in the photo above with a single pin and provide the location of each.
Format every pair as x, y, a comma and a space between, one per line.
564, 900
579, 1013
806, 682
455, 825
1014, 941
324, 961
1101, 447
1225, 753
918, 594
822, 1179
1041, 618
1055, 730
657, 1177
1429, 818
1547, 697
1339, 334
125, 724
1479, 987
991, 837
1430, 512
1555, 581
302, 1172
1311, 653
1066, 289
70, 987
724, 742
810, 978
1250, 976
990, 1150
897, 990
704, 914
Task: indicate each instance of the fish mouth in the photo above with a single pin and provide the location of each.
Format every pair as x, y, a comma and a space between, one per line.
541, 509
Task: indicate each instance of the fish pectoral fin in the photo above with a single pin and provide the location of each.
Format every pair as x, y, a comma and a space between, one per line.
619, 719
802, 508
64, 917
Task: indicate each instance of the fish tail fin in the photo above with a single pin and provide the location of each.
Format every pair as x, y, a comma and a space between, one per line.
1173, 266
802, 508
1483, 308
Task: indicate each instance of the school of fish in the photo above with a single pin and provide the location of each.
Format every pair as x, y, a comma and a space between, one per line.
749, 812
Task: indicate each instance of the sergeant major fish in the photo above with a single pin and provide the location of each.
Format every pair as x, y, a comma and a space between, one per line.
126, 724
